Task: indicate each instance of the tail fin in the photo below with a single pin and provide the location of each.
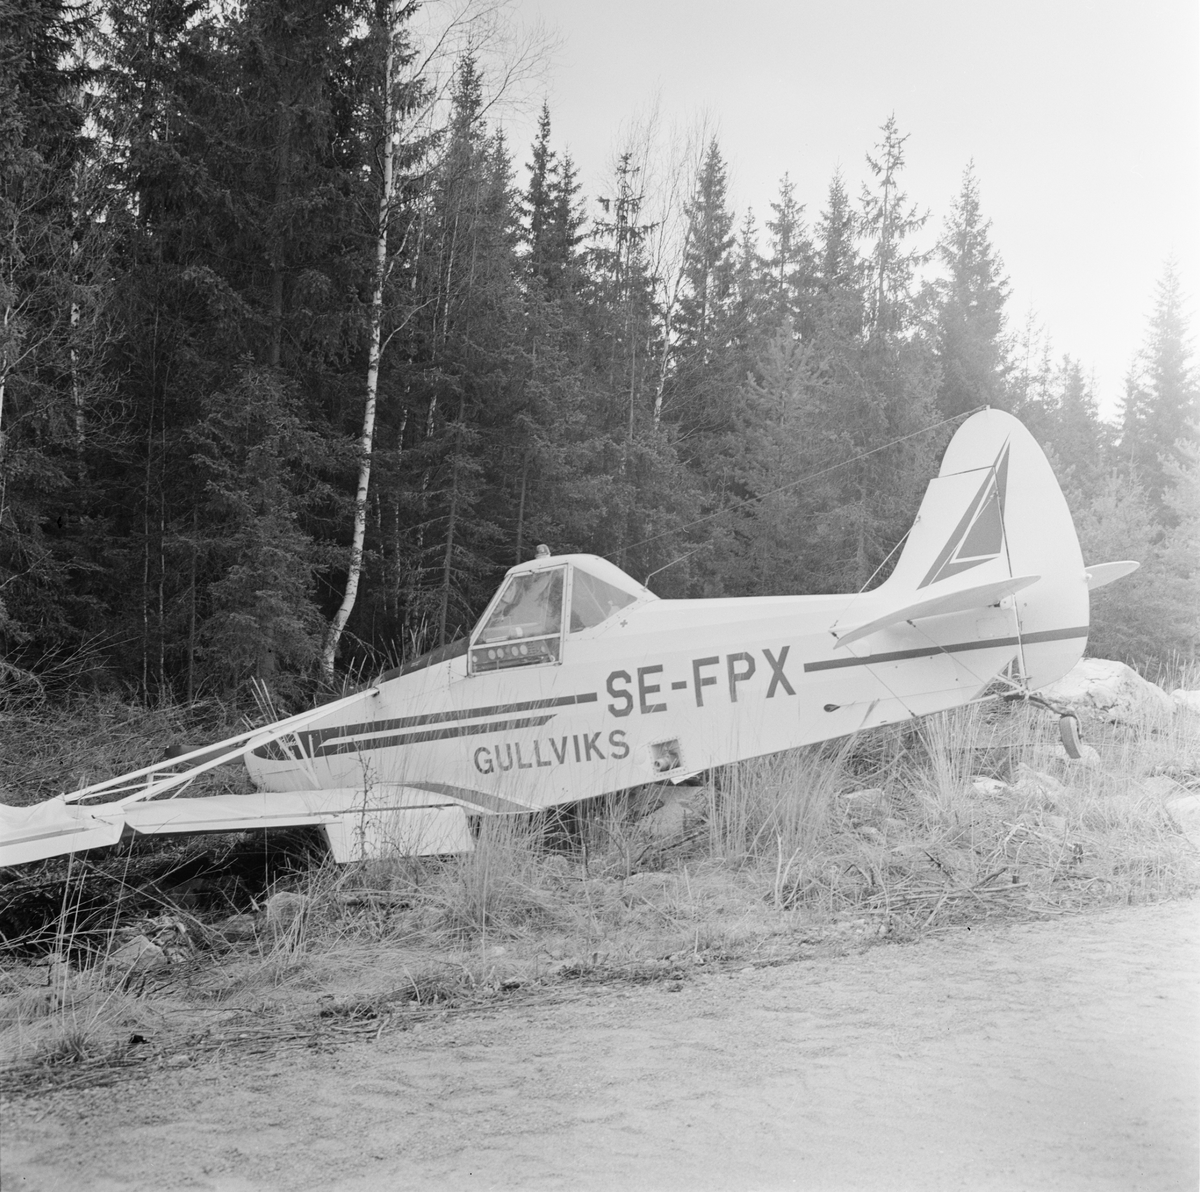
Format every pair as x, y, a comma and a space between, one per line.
994, 515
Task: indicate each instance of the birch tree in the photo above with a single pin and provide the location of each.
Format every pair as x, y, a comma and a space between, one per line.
398, 55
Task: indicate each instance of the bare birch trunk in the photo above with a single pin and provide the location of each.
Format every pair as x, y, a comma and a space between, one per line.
334, 636
448, 560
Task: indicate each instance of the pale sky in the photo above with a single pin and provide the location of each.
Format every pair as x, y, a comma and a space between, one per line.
1082, 117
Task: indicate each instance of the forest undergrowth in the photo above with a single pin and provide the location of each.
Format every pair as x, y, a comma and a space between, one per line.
122, 961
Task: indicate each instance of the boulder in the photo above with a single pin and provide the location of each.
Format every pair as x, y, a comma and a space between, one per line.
283, 908
1112, 689
1186, 701
1036, 784
138, 955
678, 809
1088, 757
1186, 813
238, 927
988, 786
1162, 786
863, 804
668, 820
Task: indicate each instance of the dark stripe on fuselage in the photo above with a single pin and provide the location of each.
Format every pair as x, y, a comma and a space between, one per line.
434, 734
993, 643
476, 798
312, 740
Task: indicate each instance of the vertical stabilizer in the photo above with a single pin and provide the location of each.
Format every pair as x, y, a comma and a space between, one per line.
995, 512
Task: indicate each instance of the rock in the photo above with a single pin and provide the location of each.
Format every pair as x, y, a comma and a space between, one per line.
1037, 782
239, 927
283, 908
681, 808
1186, 813
1088, 757
190, 893
1161, 786
645, 878
863, 804
989, 786
1186, 701
862, 798
668, 820
138, 955
1113, 689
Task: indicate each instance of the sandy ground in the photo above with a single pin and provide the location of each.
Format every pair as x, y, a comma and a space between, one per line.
1060, 1055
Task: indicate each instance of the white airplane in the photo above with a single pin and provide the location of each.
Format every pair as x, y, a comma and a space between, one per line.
578, 681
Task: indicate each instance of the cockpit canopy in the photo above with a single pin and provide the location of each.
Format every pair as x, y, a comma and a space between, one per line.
524, 623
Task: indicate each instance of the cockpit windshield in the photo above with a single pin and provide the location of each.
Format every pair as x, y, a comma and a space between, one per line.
525, 626
530, 607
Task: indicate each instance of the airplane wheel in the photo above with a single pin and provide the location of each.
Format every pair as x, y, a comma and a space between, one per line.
1068, 731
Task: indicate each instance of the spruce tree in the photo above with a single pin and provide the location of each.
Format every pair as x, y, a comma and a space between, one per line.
539, 200
971, 348
840, 270
54, 265
1161, 413
708, 261
790, 265
1074, 431
888, 220
887, 393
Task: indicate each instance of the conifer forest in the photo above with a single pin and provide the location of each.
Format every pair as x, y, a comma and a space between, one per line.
298, 354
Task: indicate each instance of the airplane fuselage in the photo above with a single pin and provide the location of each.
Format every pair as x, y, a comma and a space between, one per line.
661, 690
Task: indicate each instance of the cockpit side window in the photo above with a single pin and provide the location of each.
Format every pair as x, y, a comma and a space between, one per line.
525, 627
594, 600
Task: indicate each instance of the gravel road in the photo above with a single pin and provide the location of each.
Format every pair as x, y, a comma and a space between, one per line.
1053, 1055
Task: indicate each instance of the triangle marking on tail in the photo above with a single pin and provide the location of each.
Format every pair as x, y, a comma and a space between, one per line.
979, 536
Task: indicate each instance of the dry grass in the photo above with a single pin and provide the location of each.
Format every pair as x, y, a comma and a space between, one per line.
879, 838
49, 749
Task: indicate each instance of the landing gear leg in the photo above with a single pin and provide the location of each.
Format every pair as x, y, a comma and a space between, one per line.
1068, 722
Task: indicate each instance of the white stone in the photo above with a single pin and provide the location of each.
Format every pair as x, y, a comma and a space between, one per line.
1187, 701
1186, 813
682, 807
1029, 779
1112, 688
284, 907
668, 820
1161, 786
872, 794
989, 786
1088, 757
138, 955
238, 927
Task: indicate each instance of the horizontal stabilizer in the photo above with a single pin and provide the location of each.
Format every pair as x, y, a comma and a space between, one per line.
1099, 574
965, 599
